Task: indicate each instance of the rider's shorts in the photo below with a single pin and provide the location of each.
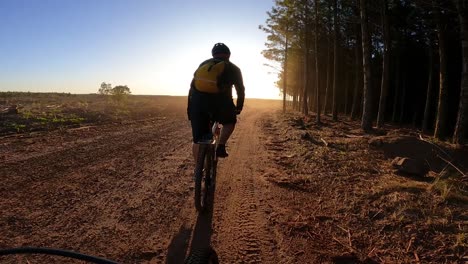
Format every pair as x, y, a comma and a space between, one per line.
205, 107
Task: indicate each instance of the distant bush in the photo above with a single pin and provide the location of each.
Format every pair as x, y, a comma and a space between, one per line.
106, 88
118, 91
121, 90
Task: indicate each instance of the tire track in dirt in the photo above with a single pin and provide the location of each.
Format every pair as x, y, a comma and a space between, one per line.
242, 234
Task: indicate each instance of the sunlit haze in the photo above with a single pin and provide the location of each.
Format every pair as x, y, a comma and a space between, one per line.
153, 46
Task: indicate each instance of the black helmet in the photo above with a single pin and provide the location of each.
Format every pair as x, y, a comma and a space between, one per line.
220, 48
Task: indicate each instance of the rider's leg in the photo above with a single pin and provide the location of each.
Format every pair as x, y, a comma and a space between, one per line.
226, 132
195, 148
199, 118
227, 117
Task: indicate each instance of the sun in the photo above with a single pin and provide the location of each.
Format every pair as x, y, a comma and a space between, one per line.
171, 74
259, 80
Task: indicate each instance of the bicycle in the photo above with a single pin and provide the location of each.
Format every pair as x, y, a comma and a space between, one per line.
205, 169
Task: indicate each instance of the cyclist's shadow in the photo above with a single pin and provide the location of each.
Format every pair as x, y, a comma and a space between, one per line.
201, 235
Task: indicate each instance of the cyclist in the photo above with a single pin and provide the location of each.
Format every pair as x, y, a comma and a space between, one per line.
217, 104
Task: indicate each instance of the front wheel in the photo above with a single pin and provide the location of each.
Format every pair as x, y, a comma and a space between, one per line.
202, 178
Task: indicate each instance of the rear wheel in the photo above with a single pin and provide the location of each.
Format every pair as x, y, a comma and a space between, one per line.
203, 177
203, 256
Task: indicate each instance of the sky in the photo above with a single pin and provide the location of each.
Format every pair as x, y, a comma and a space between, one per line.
152, 46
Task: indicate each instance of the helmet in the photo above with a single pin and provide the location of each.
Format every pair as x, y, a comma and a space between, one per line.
220, 48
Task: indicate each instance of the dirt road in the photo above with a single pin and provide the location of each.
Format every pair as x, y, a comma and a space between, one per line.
291, 191
124, 192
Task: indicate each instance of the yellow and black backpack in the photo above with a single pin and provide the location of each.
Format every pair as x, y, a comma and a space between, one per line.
208, 76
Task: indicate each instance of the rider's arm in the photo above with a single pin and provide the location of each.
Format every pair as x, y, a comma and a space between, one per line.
240, 90
189, 98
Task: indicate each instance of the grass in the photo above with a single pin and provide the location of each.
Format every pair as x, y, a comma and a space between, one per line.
17, 127
461, 240
29, 120
450, 187
50, 111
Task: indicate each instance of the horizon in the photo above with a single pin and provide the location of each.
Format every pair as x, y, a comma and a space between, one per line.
131, 94
152, 47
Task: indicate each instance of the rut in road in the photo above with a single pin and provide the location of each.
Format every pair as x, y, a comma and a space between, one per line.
241, 231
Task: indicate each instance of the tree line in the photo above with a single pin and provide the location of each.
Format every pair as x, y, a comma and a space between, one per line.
380, 61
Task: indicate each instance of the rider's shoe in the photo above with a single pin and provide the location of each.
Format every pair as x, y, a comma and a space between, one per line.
221, 151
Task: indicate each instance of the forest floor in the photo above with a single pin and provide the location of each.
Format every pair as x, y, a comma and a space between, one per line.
117, 184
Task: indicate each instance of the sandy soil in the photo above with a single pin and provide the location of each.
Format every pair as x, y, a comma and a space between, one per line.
124, 192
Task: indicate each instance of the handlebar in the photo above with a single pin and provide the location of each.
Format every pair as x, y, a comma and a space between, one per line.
56, 252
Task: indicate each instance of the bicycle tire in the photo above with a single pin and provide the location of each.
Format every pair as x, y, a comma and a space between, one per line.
203, 256
214, 168
202, 174
56, 252
209, 168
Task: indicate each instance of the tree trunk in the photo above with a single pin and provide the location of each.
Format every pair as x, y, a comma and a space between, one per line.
366, 123
295, 104
285, 75
345, 83
462, 118
311, 82
305, 105
357, 99
329, 63
403, 95
427, 107
442, 108
335, 64
386, 66
317, 80
327, 85
397, 85
312, 78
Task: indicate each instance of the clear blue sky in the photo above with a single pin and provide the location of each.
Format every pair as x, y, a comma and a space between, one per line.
153, 46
